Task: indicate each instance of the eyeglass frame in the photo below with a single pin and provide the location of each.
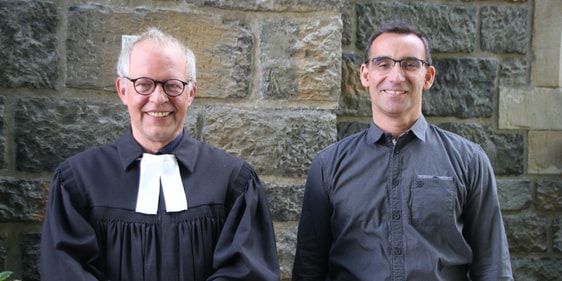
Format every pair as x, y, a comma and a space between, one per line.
156, 82
398, 61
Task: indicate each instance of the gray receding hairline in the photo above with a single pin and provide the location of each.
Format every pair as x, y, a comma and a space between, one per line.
154, 34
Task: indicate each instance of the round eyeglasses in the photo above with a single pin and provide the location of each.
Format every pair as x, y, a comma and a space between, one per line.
383, 65
146, 86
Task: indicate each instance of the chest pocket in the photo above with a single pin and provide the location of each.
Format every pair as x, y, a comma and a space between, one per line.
432, 201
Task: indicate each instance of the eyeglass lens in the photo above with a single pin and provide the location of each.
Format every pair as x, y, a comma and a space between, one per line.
385, 64
146, 86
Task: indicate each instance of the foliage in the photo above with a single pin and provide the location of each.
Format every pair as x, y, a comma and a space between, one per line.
4, 275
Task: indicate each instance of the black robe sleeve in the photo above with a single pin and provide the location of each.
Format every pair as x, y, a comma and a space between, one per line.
68, 242
246, 248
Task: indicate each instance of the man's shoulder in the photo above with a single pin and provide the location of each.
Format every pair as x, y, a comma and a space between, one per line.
447, 137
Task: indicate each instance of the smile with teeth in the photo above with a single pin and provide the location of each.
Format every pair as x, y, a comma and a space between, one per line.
159, 114
395, 92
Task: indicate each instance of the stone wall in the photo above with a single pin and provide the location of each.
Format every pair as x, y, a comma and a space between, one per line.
277, 82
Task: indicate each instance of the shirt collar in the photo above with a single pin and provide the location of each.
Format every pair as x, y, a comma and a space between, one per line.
418, 129
184, 147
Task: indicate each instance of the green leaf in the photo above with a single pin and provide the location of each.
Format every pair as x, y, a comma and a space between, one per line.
4, 275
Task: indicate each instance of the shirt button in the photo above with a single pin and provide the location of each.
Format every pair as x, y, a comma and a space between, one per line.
396, 215
395, 182
397, 251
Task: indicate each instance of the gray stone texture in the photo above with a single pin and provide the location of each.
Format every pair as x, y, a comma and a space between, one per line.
22, 200
514, 194
557, 233
28, 56
222, 42
272, 5
463, 87
300, 58
285, 200
514, 71
449, 28
505, 150
349, 128
526, 233
277, 142
347, 16
354, 98
30, 246
504, 29
286, 234
3, 253
2, 132
537, 268
549, 195
50, 130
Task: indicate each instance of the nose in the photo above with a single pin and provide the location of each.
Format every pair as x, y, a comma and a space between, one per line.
159, 96
396, 73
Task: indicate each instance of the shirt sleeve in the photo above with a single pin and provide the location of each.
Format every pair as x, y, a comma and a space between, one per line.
246, 248
314, 233
68, 243
484, 229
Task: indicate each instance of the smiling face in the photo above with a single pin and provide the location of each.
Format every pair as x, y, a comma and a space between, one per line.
156, 119
396, 96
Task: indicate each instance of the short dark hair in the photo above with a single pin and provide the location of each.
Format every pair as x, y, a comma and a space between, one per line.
398, 27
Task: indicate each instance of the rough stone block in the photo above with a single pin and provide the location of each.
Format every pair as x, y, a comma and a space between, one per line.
276, 142
347, 21
505, 150
28, 57
47, 131
354, 99
514, 71
2, 132
526, 233
285, 200
504, 29
514, 194
523, 108
463, 87
272, 5
547, 44
549, 195
449, 28
286, 236
3, 252
30, 246
222, 46
533, 268
348, 128
300, 58
557, 234
545, 152
22, 200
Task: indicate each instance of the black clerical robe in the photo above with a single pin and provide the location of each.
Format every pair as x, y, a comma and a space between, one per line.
92, 232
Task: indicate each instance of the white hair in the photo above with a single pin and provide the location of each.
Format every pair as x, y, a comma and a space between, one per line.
154, 34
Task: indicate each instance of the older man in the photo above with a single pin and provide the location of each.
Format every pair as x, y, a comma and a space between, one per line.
157, 204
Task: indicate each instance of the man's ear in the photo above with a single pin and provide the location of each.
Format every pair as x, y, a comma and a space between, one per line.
191, 93
364, 75
429, 77
121, 86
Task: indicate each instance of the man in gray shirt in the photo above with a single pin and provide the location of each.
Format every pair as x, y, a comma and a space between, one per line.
403, 199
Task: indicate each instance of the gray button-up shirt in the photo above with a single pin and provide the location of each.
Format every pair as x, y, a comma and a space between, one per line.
422, 208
